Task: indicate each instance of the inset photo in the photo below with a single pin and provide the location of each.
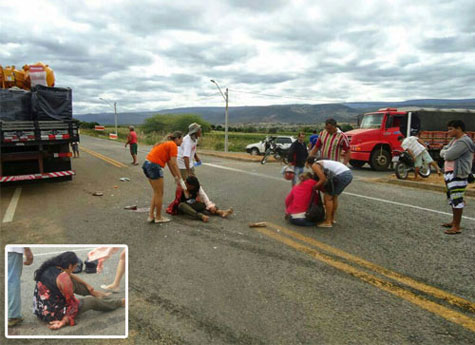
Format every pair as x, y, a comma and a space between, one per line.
66, 291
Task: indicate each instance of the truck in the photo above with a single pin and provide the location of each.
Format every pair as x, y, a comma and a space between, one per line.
376, 140
36, 130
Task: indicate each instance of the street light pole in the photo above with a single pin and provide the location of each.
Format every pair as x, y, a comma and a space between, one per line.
115, 112
226, 99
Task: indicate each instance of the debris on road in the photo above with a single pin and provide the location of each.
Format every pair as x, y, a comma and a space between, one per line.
98, 194
116, 187
125, 179
130, 207
258, 225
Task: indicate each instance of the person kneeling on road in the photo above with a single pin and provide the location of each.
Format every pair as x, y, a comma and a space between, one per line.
332, 177
298, 200
54, 300
193, 201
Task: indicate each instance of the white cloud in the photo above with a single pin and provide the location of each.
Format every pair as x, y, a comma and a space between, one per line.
150, 55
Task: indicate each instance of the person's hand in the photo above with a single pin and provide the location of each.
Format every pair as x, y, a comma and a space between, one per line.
28, 257
56, 324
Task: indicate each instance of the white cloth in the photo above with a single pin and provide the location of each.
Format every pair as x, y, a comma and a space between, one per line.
18, 250
204, 198
335, 167
187, 149
412, 143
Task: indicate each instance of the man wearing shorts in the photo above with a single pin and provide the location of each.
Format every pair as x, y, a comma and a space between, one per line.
418, 150
132, 141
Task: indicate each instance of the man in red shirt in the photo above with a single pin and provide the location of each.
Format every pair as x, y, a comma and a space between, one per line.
132, 141
332, 143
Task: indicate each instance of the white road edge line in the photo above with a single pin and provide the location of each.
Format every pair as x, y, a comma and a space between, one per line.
351, 194
10, 213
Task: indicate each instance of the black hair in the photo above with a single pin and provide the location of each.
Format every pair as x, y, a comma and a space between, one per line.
314, 131
330, 122
457, 124
62, 260
311, 159
193, 181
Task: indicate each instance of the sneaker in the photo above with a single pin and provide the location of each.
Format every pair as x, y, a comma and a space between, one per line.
14, 322
150, 220
162, 220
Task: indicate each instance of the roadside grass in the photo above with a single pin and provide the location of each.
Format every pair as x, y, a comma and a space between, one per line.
213, 140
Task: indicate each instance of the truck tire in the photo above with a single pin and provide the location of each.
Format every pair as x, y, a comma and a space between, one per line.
380, 159
357, 164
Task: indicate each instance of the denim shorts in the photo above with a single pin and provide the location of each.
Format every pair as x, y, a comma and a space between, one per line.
152, 170
341, 181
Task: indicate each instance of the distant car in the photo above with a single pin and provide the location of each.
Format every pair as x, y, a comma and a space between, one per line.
259, 148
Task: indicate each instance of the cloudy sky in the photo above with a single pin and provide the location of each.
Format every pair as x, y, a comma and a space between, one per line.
152, 55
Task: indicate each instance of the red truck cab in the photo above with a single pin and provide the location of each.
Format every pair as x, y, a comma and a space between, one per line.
377, 138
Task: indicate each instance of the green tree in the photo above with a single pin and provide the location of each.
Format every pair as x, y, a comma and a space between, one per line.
173, 122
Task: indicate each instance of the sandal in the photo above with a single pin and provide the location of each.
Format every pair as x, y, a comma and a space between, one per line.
162, 220
452, 232
323, 225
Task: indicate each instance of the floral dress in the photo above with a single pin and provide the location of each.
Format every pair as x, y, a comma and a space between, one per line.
52, 302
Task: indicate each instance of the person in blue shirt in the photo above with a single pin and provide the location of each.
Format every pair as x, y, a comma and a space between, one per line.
312, 140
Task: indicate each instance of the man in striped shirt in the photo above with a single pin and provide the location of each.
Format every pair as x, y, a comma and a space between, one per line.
332, 143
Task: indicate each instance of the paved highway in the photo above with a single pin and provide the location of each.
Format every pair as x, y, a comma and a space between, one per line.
385, 274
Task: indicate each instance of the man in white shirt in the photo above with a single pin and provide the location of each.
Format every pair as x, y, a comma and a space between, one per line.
418, 150
187, 151
15, 267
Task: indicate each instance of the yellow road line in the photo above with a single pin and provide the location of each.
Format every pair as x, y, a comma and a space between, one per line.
387, 286
441, 294
104, 158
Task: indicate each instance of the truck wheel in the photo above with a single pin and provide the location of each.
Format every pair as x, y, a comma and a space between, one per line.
254, 151
357, 164
380, 160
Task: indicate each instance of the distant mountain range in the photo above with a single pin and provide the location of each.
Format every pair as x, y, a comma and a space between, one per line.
285, 114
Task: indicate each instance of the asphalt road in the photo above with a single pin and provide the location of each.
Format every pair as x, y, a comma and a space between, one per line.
385, 274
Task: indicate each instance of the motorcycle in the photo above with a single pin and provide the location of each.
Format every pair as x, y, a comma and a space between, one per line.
279, 153
405, 165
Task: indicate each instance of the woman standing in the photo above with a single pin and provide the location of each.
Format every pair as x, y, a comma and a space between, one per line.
333, 177
54, 300
458, 156
162, 154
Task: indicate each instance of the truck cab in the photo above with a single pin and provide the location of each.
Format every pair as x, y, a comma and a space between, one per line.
376, 138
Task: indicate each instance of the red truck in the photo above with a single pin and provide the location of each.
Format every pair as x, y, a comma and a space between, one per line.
377, 136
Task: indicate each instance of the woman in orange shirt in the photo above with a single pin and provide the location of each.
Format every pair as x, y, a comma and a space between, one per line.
161, 154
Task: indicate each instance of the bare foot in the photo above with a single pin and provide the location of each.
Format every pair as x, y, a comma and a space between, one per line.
205, 218
110, 288
227, 212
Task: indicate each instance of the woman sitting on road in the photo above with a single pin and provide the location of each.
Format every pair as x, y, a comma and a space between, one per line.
193, 202
298, 200
162, 153
54, 300
332, 177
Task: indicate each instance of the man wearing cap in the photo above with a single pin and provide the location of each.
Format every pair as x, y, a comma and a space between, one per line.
187, 151
132, 141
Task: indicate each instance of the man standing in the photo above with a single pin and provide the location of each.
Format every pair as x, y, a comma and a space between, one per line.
332, 143
298, 156
458, 156
187, 151
132, 141
15, 267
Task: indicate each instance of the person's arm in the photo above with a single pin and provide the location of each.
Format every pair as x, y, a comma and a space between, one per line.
173, 166
411, 153
345, 147
65, 286
197, 159
187, 165
420, 141
318, 170
204, 198
455, 151
28, 256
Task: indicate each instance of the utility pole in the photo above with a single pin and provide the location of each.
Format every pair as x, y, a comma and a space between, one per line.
226, 99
